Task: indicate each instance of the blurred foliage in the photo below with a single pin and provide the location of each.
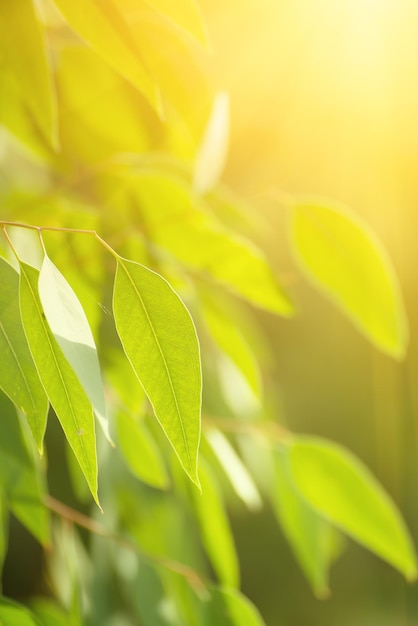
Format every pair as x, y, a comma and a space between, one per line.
115, 126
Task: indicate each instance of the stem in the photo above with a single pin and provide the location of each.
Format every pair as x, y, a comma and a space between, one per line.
195, 579
269, 430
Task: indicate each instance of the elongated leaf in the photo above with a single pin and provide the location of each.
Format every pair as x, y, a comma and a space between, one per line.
229, 338
338, 486
104, 28
70, 327
235, 470
22, 48
309, 535
20, 478
18, 376
343, 257
3, 529
140, 451
228, 607
159, 339
61, 384
13, 613
215, 530
212, 152
195, 238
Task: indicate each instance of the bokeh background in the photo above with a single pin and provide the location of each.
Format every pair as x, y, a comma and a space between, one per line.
324, 102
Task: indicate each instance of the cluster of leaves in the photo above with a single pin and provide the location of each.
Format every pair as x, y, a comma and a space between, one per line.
105, 108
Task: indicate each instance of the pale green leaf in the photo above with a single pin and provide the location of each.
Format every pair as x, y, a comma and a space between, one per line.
237, 473
70, 327
212, 152
224, 330
13, 614
20, 477
159, 339
140, 451
229, 607
339, 487
215, 530
345, 260
309, 535
181, 226
104, 27
23, 52
61, 384
18, 376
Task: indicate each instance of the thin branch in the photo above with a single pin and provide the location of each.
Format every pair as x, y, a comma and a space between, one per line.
269, 430
196, 580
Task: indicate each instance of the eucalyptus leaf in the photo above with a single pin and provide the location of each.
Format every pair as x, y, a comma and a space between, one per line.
104, 27
229, 607
160, 341
340, 488
65, 393
20, 476
182, 226
307, 532
24, 57
13, 613
70, 327
18, 376
215, 530
140, 451
343, 257
212, 152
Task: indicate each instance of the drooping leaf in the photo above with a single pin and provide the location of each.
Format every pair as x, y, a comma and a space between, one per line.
229, 607
212, 153
104, 27
309, 535
237, 473
23, 50
20, 477
13, 613
223, 328
176, 223
345, 260
159, 339
215, 530
70, 327
18, 376
65, 393
140, 451
339, 487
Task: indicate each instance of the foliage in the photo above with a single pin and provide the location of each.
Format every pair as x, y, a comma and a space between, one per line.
109, 128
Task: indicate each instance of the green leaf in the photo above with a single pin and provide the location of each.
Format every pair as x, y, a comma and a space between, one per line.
339, 487
16, 614
212, 153
160, 341
309, 535
23, 53
70, 327
19, 475
228, 607
104, 27
61, 384
215, 530
180, 225
140, 451
345, 260
18, 376
184, 13
235, 470
3, 529
224, 330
